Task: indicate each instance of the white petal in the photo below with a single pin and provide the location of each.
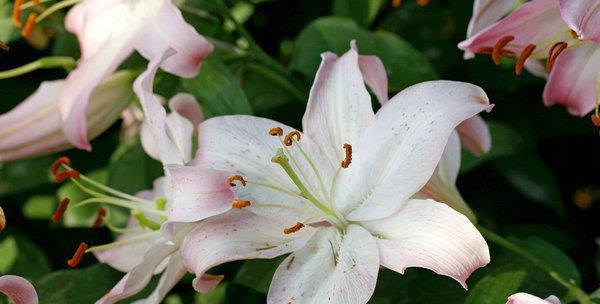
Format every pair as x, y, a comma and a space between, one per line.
18, 290
525, 298
331, 268
475, 135
431, 235
174, 272
397, 155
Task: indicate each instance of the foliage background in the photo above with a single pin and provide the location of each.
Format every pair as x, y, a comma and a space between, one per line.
538, 187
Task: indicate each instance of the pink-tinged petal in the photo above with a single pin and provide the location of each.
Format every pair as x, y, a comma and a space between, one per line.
537, 22
198, 193
155, 114
187, 106
208, 282
134, 281
536, 68
486, 13
238, 235
573, 80
168, 29
18, 290
475, 135
181, 133
374, 74
525, 298
172, 275
339, 106
332, 267
430, 235
397, 155
582, 16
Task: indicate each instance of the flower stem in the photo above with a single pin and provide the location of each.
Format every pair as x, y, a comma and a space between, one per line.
66, 63
574, 291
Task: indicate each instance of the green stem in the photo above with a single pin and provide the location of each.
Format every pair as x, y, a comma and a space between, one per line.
66, 63
57, 6
573, 290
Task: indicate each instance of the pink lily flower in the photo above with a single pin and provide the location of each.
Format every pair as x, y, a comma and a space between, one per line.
339, 197
525, 298
18, 290
108, 32
565, 33
35, 127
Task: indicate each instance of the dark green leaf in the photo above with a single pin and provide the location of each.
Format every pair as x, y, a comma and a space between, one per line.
257, 274
496, 288
131, 169
505, 141
24, 174
30, 261
363, 12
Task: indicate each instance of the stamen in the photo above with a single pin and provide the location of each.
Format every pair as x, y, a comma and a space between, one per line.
523, 57
63, 160
489, 50
574, 34
74, 261
2, 220
346, 162
499, 47
236, 204
144, 221
99, 218
161, 204
16, 16
294, 228
422, 2
4, 46
29, 25
396, 3
555, 50
595, 120
288, 138
276, 131
60, 210
62, 176
231, 180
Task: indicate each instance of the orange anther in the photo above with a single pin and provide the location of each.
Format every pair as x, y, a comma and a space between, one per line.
63, 160
396, 3
240, 204
276, 131
99, 218
348, 159
60, 210
288, 141
62, 176
74, 261
2, 219
231, 180
29, 25
422, 2
555, 50
596, 120
16, 16
499, 48
4, 46
523, 57
294, 228
36, 2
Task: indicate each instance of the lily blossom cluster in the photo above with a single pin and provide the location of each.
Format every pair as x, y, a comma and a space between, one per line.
564, 33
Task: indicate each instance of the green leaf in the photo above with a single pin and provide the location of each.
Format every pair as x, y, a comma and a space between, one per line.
257, 274
40, 207
21, 175
505, 142
30, 261
417, 285
217, 90
131, 170
9, 252
496, 288
404, 64
363, 12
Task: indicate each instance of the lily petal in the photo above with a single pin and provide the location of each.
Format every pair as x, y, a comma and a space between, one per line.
237, 235
331, 267
374, 74
573, 80
339, 106
188, 107
430, 235
396, 156
525, 298
582, 16
172, 275
18, 290
475, 135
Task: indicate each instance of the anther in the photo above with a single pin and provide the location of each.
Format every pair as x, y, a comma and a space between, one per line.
4, 46
74, 261
99, 218
16, 16
489, 50
36, 2
574, 34
422, 2
348, 159
62, 176
60, 210
2, 220
277, 131
288, 138
499, 47
596, 120
29, 25
63, 160
555, 50
231, 180
240, 204
294, 228
396, 3
523, 57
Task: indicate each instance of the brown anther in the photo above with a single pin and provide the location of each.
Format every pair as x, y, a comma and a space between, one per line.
422, 2
60, 210
489, 50
99, 218
288, 141
4, 46
277, 131
29, 25
36, 2
294, 228
499, 48
348, 159
16, 15
2, 219
396, 3
555, 50
74, 261
240, 204
574, 34
596, 120
231, 180
63, 176
63, 160
523, 57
